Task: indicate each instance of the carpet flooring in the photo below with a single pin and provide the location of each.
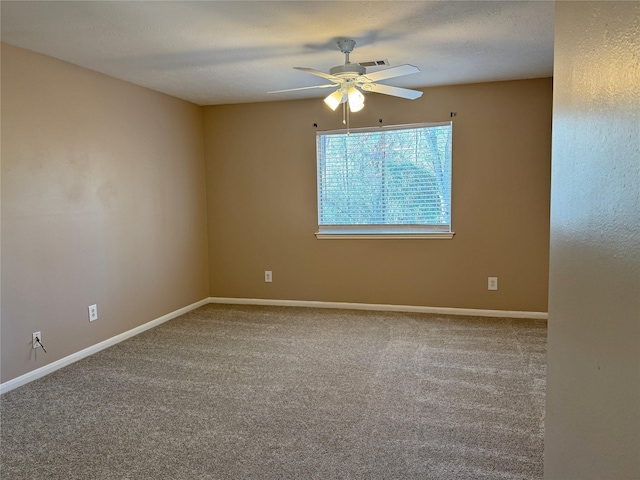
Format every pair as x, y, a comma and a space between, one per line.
247, 392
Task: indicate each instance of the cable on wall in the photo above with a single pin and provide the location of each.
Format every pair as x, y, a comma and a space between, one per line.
38, 342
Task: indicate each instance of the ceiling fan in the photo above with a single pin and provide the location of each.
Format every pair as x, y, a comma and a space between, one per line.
350, 78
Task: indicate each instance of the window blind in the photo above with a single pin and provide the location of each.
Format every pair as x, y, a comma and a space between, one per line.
393, 179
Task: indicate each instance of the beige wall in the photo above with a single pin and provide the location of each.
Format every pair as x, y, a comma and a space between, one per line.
261, 185
103, 201
593, 383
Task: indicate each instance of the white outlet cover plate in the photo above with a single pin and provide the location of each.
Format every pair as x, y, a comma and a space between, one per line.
493, 283
33, 339
93, 313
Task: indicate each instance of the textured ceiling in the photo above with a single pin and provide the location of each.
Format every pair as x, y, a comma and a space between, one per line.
221, 52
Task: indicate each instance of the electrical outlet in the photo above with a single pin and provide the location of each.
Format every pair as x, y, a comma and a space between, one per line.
93, 313
493, 283
34, 342
268, 276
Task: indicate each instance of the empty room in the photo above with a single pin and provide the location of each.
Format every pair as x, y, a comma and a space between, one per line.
320, 240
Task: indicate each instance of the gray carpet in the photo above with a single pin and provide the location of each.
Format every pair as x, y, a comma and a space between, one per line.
238, 392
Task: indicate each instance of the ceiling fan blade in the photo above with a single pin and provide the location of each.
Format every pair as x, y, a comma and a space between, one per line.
388, 73
306, 88
389, 90
318, 73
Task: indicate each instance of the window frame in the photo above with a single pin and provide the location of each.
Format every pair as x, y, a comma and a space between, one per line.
383, 231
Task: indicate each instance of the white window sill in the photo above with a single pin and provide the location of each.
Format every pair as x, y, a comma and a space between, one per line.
368, 235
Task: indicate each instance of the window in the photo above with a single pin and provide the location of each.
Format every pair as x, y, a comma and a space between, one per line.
385, 182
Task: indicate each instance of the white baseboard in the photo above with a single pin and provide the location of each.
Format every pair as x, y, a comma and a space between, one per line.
74, 357
382, 307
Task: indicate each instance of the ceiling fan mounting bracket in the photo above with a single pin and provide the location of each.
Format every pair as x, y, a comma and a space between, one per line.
348, 70
346, 45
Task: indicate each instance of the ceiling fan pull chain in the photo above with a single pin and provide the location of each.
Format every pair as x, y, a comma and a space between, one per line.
348, 118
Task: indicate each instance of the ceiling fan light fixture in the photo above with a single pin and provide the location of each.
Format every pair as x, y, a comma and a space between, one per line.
356, 99
335, 99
